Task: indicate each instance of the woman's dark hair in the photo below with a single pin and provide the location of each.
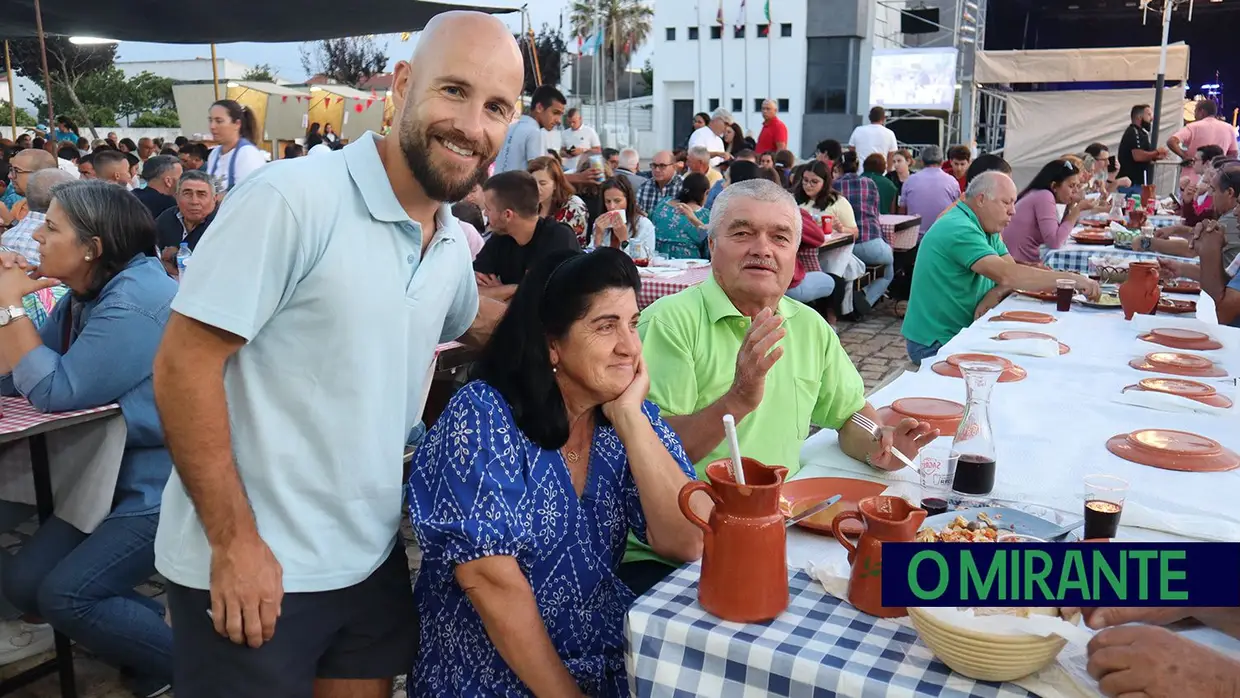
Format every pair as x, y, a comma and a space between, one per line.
132, 158
632, 211
1051, 174
769, 174
986, 163
469, 213
181, 142
826, 196
314, 129
742, 170
785, 159
848, 162
703, 116
555, 293
1207, 153
694, 188
738, 139
129, 145
563, 188
241, 114
122, 223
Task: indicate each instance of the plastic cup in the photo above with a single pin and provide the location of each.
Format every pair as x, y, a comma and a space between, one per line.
936, 465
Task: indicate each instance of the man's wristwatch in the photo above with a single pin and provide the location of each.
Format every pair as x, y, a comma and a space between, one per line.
10, 314
1146, 243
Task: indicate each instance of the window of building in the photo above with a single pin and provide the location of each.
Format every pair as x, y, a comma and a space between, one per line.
738, 32
830, 85
785, 29
757, 103
693, 33
671, 33
783, 104
714, 104
764, 30
716, 32
737, 104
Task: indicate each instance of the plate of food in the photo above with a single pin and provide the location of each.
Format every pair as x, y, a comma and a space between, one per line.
985, 525
1039, 295
1175, 307
1181, 286
1106, 301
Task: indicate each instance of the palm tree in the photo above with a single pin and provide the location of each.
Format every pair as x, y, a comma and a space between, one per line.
626, 24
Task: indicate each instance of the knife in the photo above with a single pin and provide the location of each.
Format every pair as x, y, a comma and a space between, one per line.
816, 509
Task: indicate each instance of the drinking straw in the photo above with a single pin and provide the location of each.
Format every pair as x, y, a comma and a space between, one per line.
729, 428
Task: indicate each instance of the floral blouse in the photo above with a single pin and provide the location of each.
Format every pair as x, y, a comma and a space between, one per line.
478, 487
575, 215
676, 236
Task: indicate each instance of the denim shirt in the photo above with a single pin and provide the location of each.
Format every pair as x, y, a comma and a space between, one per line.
110, 359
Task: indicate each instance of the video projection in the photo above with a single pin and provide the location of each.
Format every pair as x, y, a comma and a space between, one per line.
913, 78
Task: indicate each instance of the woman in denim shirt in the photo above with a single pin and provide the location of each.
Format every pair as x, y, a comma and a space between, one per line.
97, 347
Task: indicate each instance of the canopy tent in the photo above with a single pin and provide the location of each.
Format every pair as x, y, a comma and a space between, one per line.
224, 21
279, 111
1042, 125
350, 112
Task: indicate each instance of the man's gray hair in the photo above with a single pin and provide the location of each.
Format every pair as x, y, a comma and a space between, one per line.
772, 102
39, 188
699, 152
195, 176
723, 115
158, 166
986, 184
762, 190
630, 159
931, 155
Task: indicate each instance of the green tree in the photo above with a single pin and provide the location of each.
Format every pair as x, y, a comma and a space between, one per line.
648, 77
6, 116
164, 118
107, 96
263, 72
67, 65
550, 48
626, 25
349, 61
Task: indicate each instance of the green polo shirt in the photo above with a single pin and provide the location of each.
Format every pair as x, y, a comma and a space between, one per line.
690, 341
945, 289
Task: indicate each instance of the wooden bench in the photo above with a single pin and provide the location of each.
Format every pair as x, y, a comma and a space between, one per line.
872, 272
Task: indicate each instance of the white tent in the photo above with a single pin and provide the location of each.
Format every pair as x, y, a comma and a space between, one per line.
1041, 126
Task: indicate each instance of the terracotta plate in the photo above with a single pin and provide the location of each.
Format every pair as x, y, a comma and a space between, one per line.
1181, 286
1011, 374
1184, 388
943, 415
1177, 338
1022, 334
1040, 295
1084, 239
805, 493
1173, 450
1178, 364
1024, 316
957, 359
1174, 307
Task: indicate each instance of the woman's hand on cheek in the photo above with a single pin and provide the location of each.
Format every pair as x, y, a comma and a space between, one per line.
15, 283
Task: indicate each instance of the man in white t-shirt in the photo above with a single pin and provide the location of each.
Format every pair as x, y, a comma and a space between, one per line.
874, 138
710, 136
579, 139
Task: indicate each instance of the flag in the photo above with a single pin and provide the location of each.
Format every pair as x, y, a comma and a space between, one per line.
405, 36
740, 19
594, 43
766, 10
581, 40
719, 14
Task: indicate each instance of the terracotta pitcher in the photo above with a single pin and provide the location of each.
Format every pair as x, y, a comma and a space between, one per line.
1140, 292
744, 561
886, 520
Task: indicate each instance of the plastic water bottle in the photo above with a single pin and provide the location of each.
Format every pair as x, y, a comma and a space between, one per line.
183, 255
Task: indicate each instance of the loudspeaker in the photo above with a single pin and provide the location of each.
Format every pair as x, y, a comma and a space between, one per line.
921, 21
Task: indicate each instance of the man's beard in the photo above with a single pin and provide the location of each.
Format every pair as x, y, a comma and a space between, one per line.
1146, 124
415, 144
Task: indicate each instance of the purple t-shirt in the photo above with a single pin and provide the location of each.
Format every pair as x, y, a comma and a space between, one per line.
1035, 223
928, 193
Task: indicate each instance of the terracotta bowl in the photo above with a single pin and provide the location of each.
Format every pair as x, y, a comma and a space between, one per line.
943, 415
1181, 286
1174, 307
1178, 364
1184, 388
1177, 338
1173, 450
1022, 334
1023, 316
951, 367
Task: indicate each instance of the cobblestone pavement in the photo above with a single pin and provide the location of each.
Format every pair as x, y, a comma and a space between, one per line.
874, 344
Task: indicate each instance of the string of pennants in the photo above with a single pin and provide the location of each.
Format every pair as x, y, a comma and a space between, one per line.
360, 103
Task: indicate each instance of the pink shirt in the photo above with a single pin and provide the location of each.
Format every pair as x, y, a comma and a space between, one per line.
1209, 131
1035, 223
472, 237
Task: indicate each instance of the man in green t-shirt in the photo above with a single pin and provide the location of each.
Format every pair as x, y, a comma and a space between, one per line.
716, 349
963, 268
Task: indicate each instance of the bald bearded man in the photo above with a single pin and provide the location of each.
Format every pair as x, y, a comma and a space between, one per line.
24, 164
286, 404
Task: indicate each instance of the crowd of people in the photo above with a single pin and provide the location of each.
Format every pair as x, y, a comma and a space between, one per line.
272, 381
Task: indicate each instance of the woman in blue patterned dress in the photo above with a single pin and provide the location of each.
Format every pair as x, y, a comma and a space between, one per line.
524, 491
680, 223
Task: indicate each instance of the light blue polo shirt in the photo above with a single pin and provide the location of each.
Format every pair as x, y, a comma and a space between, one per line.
523, 142
316, 265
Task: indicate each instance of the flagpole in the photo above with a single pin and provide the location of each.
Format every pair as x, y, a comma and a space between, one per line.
701, 93
745, 39
769, 40
722, 86
615, 62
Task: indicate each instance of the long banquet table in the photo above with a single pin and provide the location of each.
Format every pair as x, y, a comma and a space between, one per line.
1051, 430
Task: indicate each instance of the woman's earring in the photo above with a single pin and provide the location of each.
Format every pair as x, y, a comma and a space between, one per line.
88, 258
554, 369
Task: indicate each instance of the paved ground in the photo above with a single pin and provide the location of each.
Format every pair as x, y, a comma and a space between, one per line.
874, 344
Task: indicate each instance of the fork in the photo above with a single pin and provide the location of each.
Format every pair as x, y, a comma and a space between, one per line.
868, 424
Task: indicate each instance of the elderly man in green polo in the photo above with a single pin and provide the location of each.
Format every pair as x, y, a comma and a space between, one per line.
735, 344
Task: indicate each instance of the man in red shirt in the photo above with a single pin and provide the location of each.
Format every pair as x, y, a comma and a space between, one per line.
774, 136
959, 157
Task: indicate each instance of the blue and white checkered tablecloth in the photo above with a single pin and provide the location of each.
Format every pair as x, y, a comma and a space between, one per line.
820, 646
1075, 258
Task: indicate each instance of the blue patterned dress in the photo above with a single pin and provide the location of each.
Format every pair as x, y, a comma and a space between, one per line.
478, 488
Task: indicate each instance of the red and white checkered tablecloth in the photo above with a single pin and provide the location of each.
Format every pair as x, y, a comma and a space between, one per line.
655, 287
900, 231
19, 415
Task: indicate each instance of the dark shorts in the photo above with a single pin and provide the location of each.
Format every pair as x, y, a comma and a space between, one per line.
366, 631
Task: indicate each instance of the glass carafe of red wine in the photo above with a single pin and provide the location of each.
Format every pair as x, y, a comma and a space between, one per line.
975, 442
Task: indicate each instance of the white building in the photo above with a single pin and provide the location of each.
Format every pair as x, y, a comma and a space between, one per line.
813, 58
186, 70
